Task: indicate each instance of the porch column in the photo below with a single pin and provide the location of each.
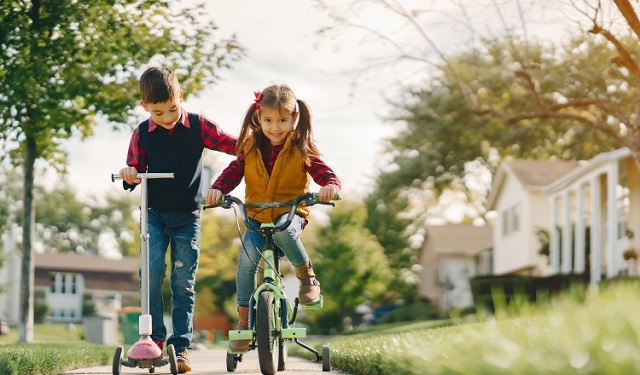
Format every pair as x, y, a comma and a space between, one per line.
566, 234
579, 249
595, 231
554, 241
612, 220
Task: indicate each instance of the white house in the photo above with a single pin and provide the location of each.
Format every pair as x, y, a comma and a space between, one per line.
518, 196
450, 256
596, 204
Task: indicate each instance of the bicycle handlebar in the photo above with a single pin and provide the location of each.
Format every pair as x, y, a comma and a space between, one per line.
309, 199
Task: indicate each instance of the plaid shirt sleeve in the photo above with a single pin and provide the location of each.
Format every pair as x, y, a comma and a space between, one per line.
322, 174
136, 156
231, 176
214, 138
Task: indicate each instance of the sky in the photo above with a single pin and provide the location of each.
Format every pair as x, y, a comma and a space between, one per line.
283, 47
279, 37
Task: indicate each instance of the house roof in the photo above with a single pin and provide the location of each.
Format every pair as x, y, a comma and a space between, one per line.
532, 174
464, 239
86, 263
596, 162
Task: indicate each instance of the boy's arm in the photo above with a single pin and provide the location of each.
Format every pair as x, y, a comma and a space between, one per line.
216, 139
231, 176
136, 157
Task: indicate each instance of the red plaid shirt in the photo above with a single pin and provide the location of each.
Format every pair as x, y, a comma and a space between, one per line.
230, 178
213, 137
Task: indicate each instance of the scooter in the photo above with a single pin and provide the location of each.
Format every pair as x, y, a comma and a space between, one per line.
144, 353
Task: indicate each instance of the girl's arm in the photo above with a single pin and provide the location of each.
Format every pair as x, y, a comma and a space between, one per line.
324, 176
231, 176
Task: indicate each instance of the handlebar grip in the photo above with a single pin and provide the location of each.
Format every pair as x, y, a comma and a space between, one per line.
316, 196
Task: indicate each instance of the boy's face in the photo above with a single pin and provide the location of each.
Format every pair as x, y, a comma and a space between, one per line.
165, 114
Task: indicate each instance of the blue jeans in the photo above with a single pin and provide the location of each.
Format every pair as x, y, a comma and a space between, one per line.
181, 230
288, 241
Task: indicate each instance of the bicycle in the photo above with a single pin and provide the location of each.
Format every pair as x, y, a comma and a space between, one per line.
271, 325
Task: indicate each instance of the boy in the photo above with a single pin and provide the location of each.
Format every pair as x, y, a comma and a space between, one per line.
172, 140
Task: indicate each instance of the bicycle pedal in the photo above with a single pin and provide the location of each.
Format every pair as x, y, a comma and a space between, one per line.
246, 334
294, 333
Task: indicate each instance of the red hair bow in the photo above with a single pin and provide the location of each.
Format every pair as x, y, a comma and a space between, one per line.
256, 101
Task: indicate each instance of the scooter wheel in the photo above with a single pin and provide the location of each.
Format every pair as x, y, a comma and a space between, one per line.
117, 360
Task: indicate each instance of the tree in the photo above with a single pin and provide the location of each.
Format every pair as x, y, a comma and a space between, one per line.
351, 266
65, 63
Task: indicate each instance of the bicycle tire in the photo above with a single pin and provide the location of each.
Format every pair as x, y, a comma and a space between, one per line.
266, 337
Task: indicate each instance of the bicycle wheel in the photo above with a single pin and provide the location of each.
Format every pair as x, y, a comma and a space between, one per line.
282, 354
266, 336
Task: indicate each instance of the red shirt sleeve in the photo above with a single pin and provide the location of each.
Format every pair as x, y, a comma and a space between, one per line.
216, 139
231, 176
322, 174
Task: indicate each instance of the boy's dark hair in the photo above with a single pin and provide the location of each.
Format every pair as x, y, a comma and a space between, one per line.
158, 84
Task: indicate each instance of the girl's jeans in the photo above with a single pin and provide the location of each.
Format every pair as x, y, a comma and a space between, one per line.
288, 241
181, 230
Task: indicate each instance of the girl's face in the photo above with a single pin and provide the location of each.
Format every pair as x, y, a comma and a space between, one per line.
165, 114
276, 125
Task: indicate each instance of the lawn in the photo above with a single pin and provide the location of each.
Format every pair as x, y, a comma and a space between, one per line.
583, 333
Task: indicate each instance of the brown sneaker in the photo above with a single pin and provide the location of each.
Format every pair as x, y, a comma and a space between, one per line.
183, 361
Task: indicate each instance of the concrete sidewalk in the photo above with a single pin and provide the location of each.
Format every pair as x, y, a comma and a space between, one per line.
213, 362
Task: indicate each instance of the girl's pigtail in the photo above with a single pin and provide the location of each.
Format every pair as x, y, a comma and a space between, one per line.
304, 136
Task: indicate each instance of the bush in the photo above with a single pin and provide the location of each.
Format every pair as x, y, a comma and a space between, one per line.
411, 312
40, 311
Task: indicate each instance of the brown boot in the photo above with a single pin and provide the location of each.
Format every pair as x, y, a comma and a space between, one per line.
243, 324
309, 287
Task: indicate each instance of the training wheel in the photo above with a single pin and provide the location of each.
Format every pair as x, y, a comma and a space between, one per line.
117, 361
326, 358
173, 362
232, 362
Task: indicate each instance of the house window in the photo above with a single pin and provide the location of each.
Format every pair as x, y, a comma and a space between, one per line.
511, 220
622, 202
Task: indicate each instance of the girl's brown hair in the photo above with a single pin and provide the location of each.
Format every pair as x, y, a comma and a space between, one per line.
282, 98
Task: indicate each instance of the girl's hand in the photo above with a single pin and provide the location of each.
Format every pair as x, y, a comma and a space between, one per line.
213, 196
129, 174
327, 193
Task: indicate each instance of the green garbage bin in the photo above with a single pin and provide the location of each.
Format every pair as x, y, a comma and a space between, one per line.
130, 317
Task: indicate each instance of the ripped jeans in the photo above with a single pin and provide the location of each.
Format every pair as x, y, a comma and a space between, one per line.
288, 241
180, 230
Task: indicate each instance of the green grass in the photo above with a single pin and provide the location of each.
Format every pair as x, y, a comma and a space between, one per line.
42, 358
583, 333
45, 359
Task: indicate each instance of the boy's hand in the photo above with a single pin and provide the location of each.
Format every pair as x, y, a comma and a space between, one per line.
129, 174
213, 196
327, 193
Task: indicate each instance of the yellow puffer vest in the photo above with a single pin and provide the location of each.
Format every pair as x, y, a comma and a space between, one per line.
288, 179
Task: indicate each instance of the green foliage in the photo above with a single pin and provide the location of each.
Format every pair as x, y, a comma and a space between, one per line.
586, 333
411, 312
350, 264
19, 359
40, 311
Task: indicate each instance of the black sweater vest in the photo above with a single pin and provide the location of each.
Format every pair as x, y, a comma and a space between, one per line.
181, 153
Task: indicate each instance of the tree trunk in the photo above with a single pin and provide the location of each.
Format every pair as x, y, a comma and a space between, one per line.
25, 331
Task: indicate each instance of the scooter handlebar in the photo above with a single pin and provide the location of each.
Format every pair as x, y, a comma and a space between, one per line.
116, 176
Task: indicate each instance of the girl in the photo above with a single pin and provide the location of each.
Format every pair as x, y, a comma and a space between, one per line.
276, 155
